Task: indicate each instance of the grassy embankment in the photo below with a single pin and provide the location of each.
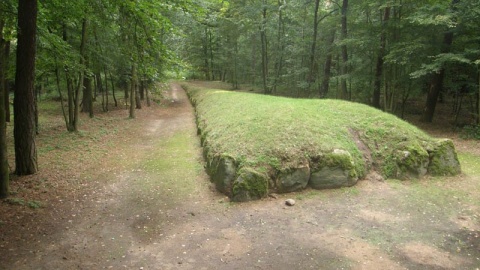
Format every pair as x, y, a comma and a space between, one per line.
256, 144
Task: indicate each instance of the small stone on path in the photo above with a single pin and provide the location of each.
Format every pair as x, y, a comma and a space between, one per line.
290, 202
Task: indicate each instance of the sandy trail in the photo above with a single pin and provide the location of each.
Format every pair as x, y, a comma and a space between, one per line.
139, 218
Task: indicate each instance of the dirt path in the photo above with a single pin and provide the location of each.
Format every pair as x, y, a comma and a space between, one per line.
154, 208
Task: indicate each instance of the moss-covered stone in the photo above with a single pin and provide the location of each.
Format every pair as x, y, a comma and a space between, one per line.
412, 161
333, 170
249, 185
293, 179
443, 159
223, 171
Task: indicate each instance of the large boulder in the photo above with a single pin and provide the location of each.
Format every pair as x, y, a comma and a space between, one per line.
223, 171
333, 170
412, 162
249, 185
293, 179
443, 159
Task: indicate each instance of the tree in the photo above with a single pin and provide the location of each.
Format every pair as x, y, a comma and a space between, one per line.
4, 169
343, 34
436, 83
264, 44
380, 61
24, 101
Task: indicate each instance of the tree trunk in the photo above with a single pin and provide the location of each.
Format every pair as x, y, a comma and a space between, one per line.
263, 37
57, 80
436, 83
98, 77
87, 103
76, 116
206, 66
103, 98
379, 68
344, 69
70, 91
132, 92
70, 102
212, 66
4, 169
106, 90
148, 96
113, 89
6, 65
138, 102
477, 102
327, 71
142, 89
24, 101
313, 65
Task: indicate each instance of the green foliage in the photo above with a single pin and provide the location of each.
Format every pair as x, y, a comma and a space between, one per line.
15, 201
470, 132
19, 201
223, 43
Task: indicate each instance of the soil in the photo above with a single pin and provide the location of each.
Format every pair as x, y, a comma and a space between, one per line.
105, 208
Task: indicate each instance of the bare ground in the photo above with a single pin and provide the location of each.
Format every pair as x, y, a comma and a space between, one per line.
139, 199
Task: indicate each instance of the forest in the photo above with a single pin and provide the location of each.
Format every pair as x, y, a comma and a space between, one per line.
239, 134
381, 53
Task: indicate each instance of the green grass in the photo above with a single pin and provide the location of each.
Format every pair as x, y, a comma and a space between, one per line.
175, 165
259, 128
470, 163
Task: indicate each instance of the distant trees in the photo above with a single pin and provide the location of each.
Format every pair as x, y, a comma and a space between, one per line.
78, 50
377, 52
90, 46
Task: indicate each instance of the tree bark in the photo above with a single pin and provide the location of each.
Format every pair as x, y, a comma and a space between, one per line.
6, 51
436, 83
138, 102
327, 71
280, 47
4, 169
477, 102
344, 69
132, 91
112, 81
83, 42
24, 101
263, 38
313, 65
87, 103
379, 68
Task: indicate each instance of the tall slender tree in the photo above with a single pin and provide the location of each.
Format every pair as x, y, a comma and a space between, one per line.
380, 60
24, 101
4, 169
344, 70
436, 82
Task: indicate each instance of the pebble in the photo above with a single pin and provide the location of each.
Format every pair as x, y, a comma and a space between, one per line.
290, 202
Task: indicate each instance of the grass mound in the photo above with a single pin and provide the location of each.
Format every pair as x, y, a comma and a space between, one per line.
286, 144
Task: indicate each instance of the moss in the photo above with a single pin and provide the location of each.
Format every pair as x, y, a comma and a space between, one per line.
412, 161
443, 159
341, 159
249, 185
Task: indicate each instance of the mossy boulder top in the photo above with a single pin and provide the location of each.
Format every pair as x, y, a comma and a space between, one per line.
256, 144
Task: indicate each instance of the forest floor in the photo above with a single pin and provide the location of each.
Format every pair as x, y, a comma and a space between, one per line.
132, 194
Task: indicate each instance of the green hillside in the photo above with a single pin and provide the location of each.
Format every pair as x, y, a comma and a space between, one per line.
256, 144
